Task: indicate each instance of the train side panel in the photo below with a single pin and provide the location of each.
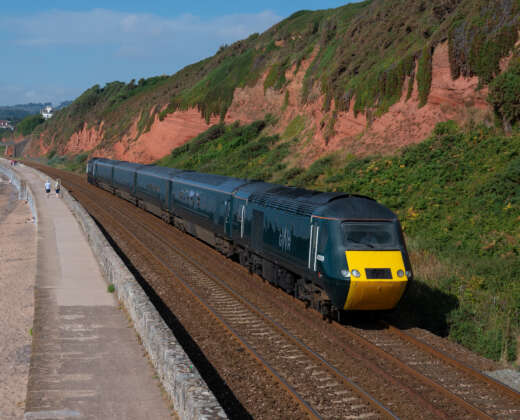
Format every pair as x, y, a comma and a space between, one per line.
152, 189
280, 236
124, 178
103, 173
204, 200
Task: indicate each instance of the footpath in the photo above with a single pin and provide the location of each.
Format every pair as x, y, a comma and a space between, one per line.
86, 361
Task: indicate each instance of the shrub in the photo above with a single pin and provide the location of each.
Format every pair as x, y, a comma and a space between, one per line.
504, 94
28, 124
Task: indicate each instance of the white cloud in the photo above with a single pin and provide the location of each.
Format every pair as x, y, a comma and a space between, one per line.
60, 53
130, 31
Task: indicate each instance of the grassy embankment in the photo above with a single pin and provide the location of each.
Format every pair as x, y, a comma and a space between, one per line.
457, 195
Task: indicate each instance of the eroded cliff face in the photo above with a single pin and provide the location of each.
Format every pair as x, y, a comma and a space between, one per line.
404, 123
175, 130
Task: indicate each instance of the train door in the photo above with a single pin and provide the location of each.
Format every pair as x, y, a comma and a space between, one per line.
227, 219
257, 230
166, 198
313, 245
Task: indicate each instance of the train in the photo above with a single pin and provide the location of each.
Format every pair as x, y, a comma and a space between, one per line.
337, 252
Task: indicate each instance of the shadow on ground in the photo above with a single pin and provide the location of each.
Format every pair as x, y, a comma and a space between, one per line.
421, 307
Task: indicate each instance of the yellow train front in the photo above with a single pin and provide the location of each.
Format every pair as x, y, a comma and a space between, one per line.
358, 254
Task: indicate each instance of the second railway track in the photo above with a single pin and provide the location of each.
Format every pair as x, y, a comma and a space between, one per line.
332, 373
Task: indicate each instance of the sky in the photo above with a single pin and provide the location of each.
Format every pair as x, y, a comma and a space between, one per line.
52, 51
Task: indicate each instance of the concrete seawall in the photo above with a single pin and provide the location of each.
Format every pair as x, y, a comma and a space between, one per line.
188, 392
24, 190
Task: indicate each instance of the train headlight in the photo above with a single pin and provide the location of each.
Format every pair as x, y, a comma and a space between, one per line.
356, 273
345, 273
400, 273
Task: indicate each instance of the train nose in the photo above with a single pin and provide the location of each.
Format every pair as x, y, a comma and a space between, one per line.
377, 279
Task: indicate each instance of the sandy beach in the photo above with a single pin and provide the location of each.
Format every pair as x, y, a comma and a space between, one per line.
17, 279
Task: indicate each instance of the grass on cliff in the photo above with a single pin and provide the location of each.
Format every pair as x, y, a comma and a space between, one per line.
457, 195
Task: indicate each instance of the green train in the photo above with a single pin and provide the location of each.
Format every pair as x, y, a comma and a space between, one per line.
337, 252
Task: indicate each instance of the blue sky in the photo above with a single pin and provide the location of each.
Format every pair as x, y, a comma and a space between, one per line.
54, 50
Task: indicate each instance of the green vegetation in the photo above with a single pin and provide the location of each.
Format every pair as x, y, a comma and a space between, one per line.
111, 288
424, 76
457, 195
29, 124
213, 94
504, 94
239, 150
481, 33
72, 163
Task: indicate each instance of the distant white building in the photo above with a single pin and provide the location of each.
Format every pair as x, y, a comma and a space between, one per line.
47, 112
6, 124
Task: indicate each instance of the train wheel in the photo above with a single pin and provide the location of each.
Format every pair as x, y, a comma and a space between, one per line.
244, 258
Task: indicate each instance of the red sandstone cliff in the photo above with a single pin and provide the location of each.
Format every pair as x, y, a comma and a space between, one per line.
405, 123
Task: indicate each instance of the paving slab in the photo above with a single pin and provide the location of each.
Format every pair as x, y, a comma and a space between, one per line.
86, 360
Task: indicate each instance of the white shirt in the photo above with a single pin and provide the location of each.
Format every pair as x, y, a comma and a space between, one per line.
47, 185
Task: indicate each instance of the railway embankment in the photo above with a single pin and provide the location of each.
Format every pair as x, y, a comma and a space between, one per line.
189, 395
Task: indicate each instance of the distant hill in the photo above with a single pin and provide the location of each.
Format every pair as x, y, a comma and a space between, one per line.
62, 105
16, 113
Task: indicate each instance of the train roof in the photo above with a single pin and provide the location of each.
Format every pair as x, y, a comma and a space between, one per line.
127, 165
158, 171
354, 207
293, 200
105, 161
219, 183
252, 187
335, 205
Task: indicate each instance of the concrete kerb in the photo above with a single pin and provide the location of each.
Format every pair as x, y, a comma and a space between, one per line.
188, 392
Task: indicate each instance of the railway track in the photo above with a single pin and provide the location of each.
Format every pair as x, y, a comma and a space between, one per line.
324, 386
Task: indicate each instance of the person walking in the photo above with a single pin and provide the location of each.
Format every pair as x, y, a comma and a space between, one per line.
57, 187
48, 188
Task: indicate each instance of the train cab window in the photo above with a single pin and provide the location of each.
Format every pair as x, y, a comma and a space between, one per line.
370, 235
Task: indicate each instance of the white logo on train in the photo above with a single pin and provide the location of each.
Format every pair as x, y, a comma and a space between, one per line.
284, 239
